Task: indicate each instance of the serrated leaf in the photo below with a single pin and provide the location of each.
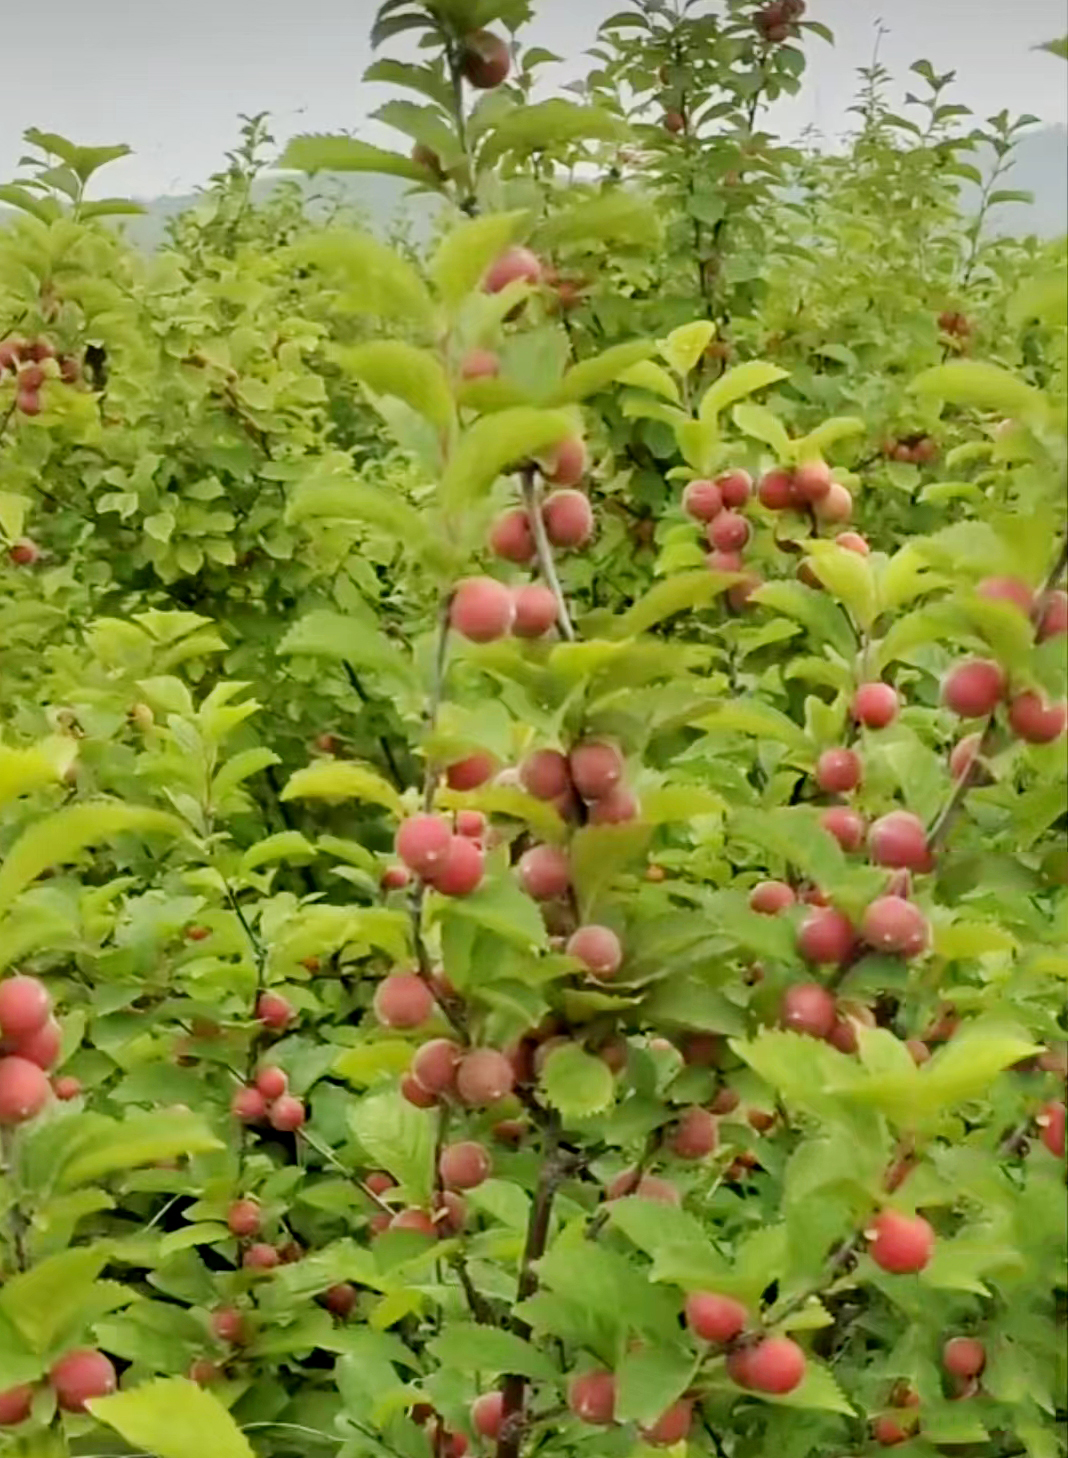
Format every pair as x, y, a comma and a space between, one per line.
465, 1347
577, 1083
24, 770
240, 767
357, 501
500, 906
597, 373
496, 442
671, 803
822, 617
43, 1301
318, 152
985, 386
621, 218
551, 124
647, 375
764, 425
331, 780
650, 1379
326, 634
380, 281
104, 1146
467, 251
287, 845
397, 1137
391, 367
736, 384
814, 445
751, 716
599, 853
173, 1418
848, 576
680, 593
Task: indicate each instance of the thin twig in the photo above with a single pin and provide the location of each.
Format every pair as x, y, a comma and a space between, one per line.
17, 1222
532, 494
383, 743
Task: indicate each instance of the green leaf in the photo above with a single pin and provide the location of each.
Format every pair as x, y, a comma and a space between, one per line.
495, 443
111, 207
848, 576
1057, 47
397, 1137
43, 1302
326, 634
380, 281
650, 1379
623, 218
671, 803
509, 800
751, 716
24, 770
577, 1083
287, 845
677, 594
684, 346
465, 1347
173, 1418
599, 853
108, 1145
597, 373
763, 424
391, 367
467, 251
357, 501
429, 81
500, 906
985, 386
331, 780
818, 441
647, 375
240, 767
736, 384
45, 210
317, 152
822, 617
549, 125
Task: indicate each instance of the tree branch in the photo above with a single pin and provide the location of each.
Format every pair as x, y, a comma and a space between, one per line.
532, 495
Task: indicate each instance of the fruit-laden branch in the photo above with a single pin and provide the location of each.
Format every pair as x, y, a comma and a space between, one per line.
532, 500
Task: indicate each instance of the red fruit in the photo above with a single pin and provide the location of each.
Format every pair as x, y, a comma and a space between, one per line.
875, 705
378, 1182
471, 824
274, 1011
66, 1087
395, 878
617, 807
566, 463
838, 771
729, 532
510, 1131
481, 609
39, 349
812, 481
1054, 617
462, 870
696, 1134
663, 1192
836, 505
846, 825
340, 1300
42, 1047
31, 377
464, 1166
484, 1077
723, 562
24, 1091
889, 1432
599, 949
826, 937
434, 1065
480, 364
715, 1318
15, 1405
485, 59
414, 1219
450, 1214
964, 756
899, 840
545, 872
244, 1219
964, 1357
416, 1094
1051, 1121
28, 402
674, 122
892, 924
568, 518
423, 843
228, 1325
702, 500
1007, 589
809, 1008
900, 1244
596, 768
545, 774
775, 1365
287, 1114
843, 1036
24, 1006
771, 897
776, 490
403, 1000
80, 1376
738, 596
512, 538
672, 1427
918, 1051
735, 487
853, 542
451, 1445
974, 689
1036, 722
203, 1372
725, 1102
261, 1257
271, 1082
517, 263
592, 1398
472, 772
249, 1105
535, 610
487, 1414
10, 354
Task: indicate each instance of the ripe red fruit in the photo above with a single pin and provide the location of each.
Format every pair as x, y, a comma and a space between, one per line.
1051, 1121
836, 505
471, 824
826, 937
596, 768
1036, 722
776, 490
416, 1094
24, 1006
900, 1244
812, 481
512, 537
484, 1077
480, 364
487, 1414
566, 463
875, 705
1007, 589
809, 1008
545, 775
395, 878
775, 1365
10, 354
462, 870
918, 1051
464, 1166
696, 1134
535, 610
771, 897
80, 1376
568, 518
470, 773
15, 1405
42, 1047
414, 1219
29, 403
249, 1105
423, 842
403, 1000
340, 1300
899, 840
244, 1219
24, 1090
672, 1426
853, 542
516, 264
838, 771
715, 1318
287, 1114
728, 532
545, 872
974, 689
434, 1065
66, 1087
615, 808
964, 1357
888, 1431
1054, 617
702, 500
378, 1182
592, 1398
964, 756
846, 825
261, 1257
274, 1011
892, 924
271, 1082
738, 596
228, 1324
735, 487
674, 122
599, 949
485, 59
481, 609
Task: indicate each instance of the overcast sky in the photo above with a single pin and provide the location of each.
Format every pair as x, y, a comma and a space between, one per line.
170, 79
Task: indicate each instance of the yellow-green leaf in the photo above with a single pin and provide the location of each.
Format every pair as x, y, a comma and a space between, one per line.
173, 1418
676, 594
985, 386
648, 375
736, 384
379, 281
467, 251
511, 801
684, 346
109, 1145
848, 576
24, 770
763, 424
597, 373
496, 442
812, 446
331, 780
391, 367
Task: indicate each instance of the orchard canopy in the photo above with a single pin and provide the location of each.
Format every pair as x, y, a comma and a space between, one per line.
533, 868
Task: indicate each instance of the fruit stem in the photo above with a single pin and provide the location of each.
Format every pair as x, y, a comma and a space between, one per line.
532, 500
437, 689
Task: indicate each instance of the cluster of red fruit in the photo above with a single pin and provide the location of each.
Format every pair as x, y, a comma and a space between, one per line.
268, 1100
718, 505
25, 359
30, 1043
963, 1359
244, 1220
778, 22
916, 450
955, 324
75, 1379
808, 487
447, 858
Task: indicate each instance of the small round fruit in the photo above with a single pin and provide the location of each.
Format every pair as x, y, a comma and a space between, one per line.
340, 1300
592, 1398
416, 1220
900, 1244
515, 264
414, 1092
964, 757
1053, 621
25, 1005
435, 1064
274, 1011
287, 1114
261, 1257
484, 1077
480, 364
895, 926
16, 1404
810, 1009
776, 490
735, 488
1051, 1122
918, 1051
674, 122
244, 1219
888, 1431
545, 774
485, 59
512, 538
535, 610
464, 1166
42, 1047
875, 705
812, 481
66, 1087
715, 1318
775, 1365
1007, 589
826, 937
853, 542
771, 897
728, 532
568, 518
974, 689
228, 1325
395, 878
28, 402
616, 808
470, 773
702, 500
835, 505
80, 1376
596, 768
964, 1357
462, 870
487, 1415
838, 771
481, 609
567, 462
898, 840
24, 1091
249, 1105
423, 843
673, 1426
846, 825
1036, 722
695, 1135
403, 1000
271, 1082
545, 872
599, 949
662, 1192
